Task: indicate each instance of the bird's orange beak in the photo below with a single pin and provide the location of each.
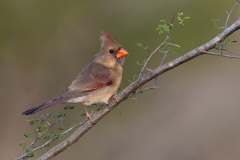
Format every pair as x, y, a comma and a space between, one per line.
121, 53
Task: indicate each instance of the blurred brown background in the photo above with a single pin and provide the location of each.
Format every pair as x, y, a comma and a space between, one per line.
194, 115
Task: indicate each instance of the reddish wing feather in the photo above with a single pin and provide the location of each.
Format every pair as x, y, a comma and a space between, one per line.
87, 82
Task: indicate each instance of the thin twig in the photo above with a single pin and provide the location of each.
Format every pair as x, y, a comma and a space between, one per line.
50, 140
163, 43
215, 23
145, 64
35, 149
40, 134
143, 90
222, 55
33, 142
53, 123
227, 50
164, 57
174, 45
74, 126
229, 14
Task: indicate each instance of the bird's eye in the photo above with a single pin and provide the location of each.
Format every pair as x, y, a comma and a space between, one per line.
111, 51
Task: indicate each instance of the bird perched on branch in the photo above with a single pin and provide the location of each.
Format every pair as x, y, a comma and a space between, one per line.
98, 81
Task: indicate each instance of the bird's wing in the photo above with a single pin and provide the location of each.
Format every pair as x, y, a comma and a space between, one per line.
91, 78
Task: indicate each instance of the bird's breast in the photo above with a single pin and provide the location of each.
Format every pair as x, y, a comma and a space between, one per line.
101, 95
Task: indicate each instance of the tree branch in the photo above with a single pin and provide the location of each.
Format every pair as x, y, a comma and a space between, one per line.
145, 64
87, 125
229, 14
222, 55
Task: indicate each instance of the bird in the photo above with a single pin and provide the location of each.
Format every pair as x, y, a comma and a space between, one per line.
97, 82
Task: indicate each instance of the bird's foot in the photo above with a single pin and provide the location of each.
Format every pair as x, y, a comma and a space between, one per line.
114, 97
89, 115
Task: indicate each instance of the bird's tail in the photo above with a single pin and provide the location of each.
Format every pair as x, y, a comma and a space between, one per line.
43, 106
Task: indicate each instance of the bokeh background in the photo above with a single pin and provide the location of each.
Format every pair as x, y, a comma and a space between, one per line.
194, 115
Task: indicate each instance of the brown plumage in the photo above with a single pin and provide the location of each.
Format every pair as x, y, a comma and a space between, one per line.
98, 81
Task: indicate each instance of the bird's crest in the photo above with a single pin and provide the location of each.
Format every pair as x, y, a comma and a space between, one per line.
106, 36
107, 40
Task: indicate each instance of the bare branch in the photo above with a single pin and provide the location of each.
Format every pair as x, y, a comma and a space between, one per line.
145, 64
229, 14
174, 45
227, 50
87, 125
33, 142
164, 57
143, 90
222, 55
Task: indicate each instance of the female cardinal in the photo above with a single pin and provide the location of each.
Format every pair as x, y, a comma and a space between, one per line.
98, 81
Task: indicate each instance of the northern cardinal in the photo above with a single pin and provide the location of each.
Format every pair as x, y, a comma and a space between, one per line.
98, 81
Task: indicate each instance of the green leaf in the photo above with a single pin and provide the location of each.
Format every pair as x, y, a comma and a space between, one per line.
27, 135
46, 135
31, 122
23, 145
30, 153
60, 117
181, 19
164, 26
69, 107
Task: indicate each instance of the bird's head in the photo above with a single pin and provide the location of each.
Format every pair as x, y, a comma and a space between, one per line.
111, 48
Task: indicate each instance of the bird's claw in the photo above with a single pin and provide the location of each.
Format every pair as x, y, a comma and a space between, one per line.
114, 97
89, 116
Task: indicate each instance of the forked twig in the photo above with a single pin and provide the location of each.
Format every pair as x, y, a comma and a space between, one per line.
229, 14
222, 55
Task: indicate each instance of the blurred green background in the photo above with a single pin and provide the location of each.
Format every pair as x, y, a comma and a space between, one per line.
194, 115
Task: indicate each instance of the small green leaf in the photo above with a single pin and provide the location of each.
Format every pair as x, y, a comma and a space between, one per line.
69, 107
23, 145
181, 19
27, 135
46, 135
31, 122
60, 117
30, 153
164, 26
